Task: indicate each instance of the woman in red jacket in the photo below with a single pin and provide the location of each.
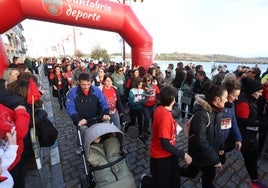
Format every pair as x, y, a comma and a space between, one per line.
18, 94
60, 84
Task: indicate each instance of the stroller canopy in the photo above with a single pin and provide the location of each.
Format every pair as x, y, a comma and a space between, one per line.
100, 129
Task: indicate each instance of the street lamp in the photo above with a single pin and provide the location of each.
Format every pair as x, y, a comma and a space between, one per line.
62, 45
74, 37
68, 38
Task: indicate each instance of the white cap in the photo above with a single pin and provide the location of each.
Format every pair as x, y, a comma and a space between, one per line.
82, 64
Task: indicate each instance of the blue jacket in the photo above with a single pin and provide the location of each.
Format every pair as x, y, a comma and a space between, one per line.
136, 99
229, 112
79, 106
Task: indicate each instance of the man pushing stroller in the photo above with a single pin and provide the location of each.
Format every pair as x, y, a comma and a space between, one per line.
86, 104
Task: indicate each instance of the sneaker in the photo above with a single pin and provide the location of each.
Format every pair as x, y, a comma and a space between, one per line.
257, 184
141, 139
124, 129
146, 181
141, 178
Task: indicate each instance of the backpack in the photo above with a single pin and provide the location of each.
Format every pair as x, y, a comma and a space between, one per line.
188, 125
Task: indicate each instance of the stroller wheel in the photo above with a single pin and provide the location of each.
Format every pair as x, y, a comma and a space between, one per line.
86, 184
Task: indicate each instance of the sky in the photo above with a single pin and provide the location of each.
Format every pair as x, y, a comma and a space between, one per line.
227, 27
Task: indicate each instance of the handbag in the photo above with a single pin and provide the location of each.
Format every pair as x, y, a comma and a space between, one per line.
46, 132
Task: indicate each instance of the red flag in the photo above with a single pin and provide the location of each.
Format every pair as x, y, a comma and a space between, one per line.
33, 92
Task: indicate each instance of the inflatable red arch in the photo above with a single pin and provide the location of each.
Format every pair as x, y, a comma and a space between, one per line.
96, 14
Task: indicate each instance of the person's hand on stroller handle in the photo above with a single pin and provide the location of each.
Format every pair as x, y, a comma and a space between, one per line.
106, 118
82, 122
98, 119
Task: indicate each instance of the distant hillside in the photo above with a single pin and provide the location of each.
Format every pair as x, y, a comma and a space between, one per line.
209, 57
205, 58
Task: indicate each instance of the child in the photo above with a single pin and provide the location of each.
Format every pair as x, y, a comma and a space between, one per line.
136, 101
163, 152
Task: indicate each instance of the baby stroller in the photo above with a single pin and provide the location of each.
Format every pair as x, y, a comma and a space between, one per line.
104, 157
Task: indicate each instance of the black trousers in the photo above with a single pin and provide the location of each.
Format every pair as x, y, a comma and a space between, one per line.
20, 170
250, 152
133, 115
165, 172
208, 174
62, 97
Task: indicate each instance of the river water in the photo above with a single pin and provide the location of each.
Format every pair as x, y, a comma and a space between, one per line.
208, 65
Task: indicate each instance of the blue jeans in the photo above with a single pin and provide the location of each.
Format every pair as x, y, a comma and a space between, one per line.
148, 116
115, 119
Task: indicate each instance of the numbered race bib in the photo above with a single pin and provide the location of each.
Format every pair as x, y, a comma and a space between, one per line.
226, 123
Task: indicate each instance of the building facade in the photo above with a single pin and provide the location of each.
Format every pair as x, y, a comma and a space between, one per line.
14, 42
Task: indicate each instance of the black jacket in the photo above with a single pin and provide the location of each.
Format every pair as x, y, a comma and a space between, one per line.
198, 86
205, 135
254, 119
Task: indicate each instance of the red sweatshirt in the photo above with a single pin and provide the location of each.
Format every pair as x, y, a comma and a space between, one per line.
19, 118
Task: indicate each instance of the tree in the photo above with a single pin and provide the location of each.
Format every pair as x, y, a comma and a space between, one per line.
79, 53
100, 54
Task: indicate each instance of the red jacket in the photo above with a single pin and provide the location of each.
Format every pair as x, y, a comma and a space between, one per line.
19, 118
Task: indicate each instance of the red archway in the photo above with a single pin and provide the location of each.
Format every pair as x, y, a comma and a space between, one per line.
96, 14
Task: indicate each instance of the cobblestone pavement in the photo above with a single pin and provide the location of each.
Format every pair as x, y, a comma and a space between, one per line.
62, 167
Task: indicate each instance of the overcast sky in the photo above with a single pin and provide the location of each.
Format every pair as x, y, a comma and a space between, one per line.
229, 27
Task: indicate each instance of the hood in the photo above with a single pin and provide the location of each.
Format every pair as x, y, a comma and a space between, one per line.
201, 103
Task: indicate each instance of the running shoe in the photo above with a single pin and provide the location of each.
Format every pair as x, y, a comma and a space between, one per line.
142, 176
257, 184
146, 181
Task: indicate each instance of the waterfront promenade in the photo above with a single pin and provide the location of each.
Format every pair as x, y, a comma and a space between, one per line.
63, 168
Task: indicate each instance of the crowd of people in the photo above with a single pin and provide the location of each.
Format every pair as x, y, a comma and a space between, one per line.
226, 112
16, 119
